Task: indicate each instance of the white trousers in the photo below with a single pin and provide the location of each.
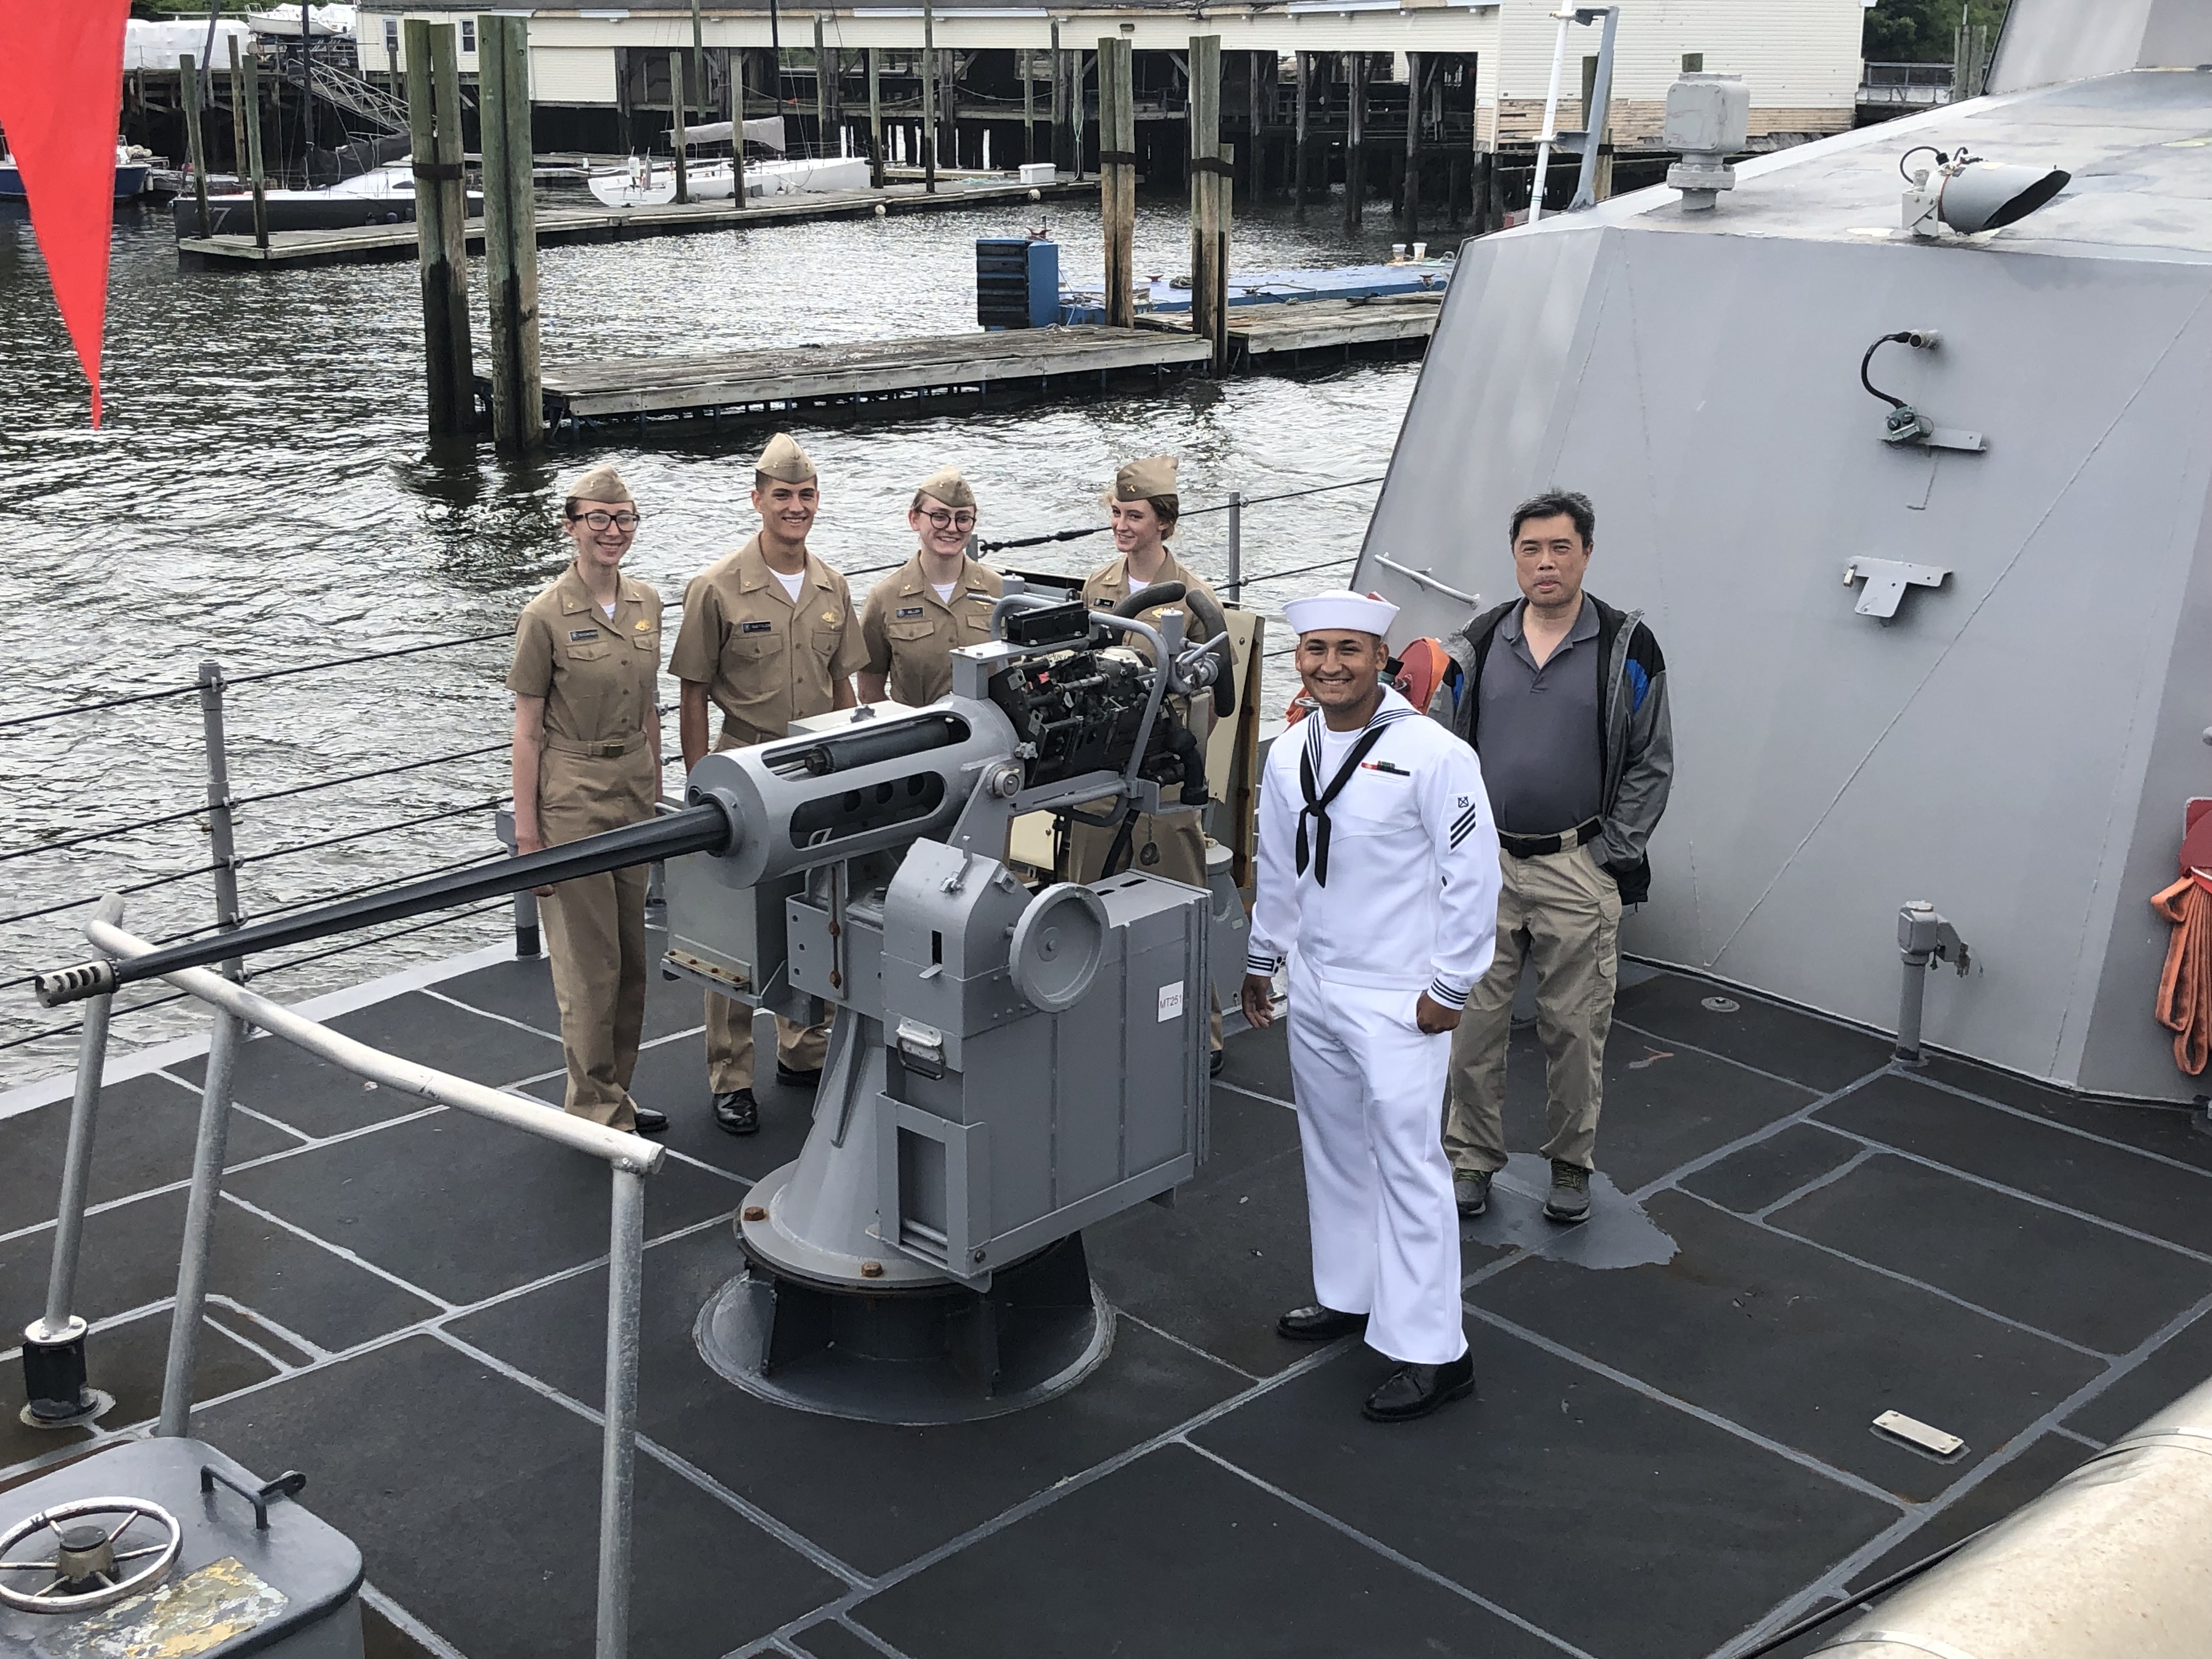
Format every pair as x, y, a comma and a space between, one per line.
1369, 1088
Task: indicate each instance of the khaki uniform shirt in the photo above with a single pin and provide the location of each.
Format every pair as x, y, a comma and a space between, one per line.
598, 675
910, 634
766, 660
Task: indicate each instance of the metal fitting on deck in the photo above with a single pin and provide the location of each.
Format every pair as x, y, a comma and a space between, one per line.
1923, 938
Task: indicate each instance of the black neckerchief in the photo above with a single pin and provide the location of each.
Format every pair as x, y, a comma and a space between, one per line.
1316, 808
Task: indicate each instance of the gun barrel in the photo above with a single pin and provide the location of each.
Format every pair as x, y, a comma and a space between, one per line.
704, 828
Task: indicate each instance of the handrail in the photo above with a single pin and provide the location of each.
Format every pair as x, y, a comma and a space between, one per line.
388, 1071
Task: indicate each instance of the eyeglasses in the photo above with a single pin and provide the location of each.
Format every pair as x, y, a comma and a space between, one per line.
944, 518
624, 522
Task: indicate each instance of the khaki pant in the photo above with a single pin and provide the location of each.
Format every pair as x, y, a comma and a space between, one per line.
1171, 845
729, 1044
1564, 912
595, 929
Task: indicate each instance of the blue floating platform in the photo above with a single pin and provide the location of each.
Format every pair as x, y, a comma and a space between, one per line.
1162, 296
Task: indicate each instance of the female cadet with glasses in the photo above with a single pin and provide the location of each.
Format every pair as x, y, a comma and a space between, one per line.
939, 599
585, 681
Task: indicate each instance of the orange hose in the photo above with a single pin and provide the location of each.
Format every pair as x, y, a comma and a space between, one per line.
2184, 984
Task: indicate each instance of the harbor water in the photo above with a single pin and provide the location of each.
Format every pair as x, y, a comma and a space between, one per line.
262, 494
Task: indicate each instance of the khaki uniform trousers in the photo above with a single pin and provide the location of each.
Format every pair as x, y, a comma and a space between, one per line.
729, 1044
595, 928
1562, 910
1175, 843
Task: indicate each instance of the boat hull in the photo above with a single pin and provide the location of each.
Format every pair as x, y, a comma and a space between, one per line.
130, 183
233, 215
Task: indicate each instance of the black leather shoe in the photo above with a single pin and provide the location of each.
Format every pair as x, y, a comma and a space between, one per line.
792, 1079
1318, 1324
737, 1112
1412, 1391
1220, 1060
650, 1122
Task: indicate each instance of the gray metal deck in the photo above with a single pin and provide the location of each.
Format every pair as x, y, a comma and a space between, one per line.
1663, 1455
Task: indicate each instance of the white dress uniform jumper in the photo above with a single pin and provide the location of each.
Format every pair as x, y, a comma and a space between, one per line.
1378, 880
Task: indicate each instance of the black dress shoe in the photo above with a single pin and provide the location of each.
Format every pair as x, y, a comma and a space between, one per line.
1318, 1324
792, 1079
650, 1122
1220, 1059
736, 1111
1412, 1391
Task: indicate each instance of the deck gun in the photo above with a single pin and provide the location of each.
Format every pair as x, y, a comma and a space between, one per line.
1007, 1065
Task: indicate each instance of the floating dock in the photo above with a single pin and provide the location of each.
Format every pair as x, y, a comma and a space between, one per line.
559, 226
1163, 296
906, 376
1284, 334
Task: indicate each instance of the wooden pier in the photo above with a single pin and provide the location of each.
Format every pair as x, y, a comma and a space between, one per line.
1343, 326
892, 378
557, 226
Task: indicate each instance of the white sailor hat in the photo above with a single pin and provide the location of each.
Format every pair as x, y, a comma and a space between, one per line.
1361, 612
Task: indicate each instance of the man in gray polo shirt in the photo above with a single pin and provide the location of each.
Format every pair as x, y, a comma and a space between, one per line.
1564, 698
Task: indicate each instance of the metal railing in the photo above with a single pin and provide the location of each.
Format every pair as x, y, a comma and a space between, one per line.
1912, 85
629, 1158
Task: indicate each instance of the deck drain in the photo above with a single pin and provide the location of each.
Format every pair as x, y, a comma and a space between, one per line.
1720, 1004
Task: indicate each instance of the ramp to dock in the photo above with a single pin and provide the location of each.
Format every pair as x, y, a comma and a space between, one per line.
846, 372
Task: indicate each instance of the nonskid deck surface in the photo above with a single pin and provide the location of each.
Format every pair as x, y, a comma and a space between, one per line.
1671, 1442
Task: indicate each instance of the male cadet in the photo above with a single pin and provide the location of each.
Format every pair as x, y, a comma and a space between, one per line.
769, 637
1565, 700
1378, 878
937, 601
1144, 508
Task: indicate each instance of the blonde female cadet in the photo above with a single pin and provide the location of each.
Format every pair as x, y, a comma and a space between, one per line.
587, 758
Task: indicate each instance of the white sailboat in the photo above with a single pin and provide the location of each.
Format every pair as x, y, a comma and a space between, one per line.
650, 181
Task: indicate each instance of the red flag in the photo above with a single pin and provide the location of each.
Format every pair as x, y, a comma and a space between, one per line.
61, 100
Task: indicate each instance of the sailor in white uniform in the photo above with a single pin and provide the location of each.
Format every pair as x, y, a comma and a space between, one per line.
1378, 880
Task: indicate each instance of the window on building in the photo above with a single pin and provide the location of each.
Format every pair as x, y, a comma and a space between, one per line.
468, 34
392, 41
1694, 62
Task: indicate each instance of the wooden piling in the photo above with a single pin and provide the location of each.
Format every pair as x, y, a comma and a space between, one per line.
948, 107
1414, 63
1064, 159
1355, 140
677, 101
875, 118
237, 111
1256, 90
433, 129
1029, 106
821, 91
1209, 189
928, 98
1117, 175
510, 231
188, 80
1301, 143
259, 183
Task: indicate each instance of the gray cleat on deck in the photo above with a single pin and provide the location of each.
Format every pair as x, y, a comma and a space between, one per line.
1569, 1198
1471, 1192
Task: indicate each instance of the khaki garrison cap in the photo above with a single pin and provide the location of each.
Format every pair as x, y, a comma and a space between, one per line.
601, 483
1141, 481
784, 461
947, 485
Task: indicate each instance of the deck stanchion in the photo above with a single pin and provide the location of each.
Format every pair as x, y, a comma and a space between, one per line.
1235, 584
510, 231
618, 1447
1117, 175
55, 1378
258, 182
221, 827
678, 99
875, 116
928, 98
1209, 208
208, 1156
434, 123
188, 81
1355, 140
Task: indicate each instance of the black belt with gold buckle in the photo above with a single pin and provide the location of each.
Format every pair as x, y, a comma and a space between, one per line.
1537, 847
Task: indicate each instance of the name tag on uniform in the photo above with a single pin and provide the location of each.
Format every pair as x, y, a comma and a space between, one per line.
758, 627
905, 611
576, 633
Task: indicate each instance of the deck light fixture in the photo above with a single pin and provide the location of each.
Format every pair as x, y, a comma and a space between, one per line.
1967, 195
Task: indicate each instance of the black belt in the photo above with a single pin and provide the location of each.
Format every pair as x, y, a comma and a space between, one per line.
1536, 847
